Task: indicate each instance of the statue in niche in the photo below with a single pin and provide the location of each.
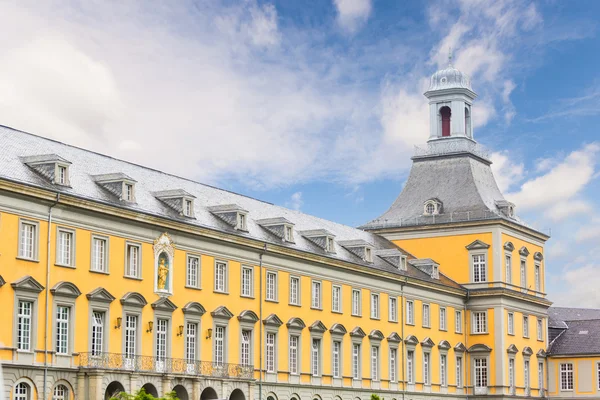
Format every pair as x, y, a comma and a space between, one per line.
163, 272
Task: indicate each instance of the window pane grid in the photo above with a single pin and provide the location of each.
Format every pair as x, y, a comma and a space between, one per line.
270, 358
130, 335
220, 272
190, 341
62, 329
316, 295
99, 254
479, 268
293, 354
97, 332
24, 325
336, 359
27, 248
566, 376
294, 291
246, 347
219, 345
247, 285
193, 266
374, 363
271, 286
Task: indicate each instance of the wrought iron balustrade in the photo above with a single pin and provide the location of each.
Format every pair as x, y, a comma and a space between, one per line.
117, 361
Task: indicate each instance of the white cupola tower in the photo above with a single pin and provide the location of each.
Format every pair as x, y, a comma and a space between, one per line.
450, 101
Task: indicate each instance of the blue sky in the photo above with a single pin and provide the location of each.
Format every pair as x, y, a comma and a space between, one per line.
318, 105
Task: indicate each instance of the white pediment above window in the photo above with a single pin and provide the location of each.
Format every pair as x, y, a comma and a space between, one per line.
222, 312
118, 184
427, 342
444, 345
376, 334
358, 332
338, 329
233, 214
322, 238
194, 308
248, 316
27, 284
179, 200
411, 339
65, 289
317, 326
394, 338
100, 295
296, 323
359, 247
133, 299
280, 227
164, 304
51, 166
273, 320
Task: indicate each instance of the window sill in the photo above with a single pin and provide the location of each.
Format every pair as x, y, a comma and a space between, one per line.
410, 323
220, 292
510, 334
245, 296
193, 287
64, 266
426, 327
272, 301
294, 305
317, 309
443, 330
480, 333
336, 312
35, 260
135, 278
99, 272
376, 318
356, 315
392, 321
458, 332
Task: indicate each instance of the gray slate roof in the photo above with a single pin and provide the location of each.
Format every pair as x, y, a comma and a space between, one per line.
582, 337
557, 316
86, 165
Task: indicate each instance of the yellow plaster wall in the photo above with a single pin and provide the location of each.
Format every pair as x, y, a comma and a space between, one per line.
530, 262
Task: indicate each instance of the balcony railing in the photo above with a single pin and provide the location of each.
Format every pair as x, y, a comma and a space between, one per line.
116, 361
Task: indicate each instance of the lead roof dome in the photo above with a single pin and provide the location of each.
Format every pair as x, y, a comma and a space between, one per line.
449, 78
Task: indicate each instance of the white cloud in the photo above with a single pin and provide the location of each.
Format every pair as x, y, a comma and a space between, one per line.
352, 13
556, 249
296, 202
579, 287
567, 208
587, 233
506, 172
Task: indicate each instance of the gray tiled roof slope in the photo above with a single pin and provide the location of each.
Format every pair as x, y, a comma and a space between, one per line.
582, 337
86, 164
561, 314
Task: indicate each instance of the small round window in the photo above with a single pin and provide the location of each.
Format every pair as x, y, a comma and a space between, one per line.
430, 208
444, 80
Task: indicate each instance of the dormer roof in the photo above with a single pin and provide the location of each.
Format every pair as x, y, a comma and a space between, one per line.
320, 237
392, 256
47, 166
230, 213
359, 247
427, 265
176, 199
116, 183
277, 226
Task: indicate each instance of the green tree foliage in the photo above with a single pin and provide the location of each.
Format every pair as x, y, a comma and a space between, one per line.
142, 395
375, 397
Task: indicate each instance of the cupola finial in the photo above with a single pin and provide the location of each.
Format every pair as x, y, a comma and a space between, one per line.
450, 56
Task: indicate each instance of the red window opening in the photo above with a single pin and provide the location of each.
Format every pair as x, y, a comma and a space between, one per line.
446, 113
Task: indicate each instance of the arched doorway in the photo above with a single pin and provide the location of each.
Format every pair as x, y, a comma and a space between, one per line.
208, 394
113, 389
150, 389
237, 394
181, 392
446, 114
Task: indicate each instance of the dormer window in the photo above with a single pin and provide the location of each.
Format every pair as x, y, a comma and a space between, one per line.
128, 192
179, 200
403, 263
429, 208
289, 234
241, 222
62, 175
435, 273
118, 184
51, 166
234, 215
432, 207
188, 208
329, 245
368, 254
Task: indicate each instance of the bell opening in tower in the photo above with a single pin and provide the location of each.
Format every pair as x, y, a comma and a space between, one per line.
446, 114
467, 122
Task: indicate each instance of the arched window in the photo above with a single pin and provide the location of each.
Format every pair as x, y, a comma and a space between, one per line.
467, 122
446, 114
60, 393
429, 208
22, 391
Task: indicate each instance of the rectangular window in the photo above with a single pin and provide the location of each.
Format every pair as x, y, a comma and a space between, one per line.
219, 345
132, 266
426, 322
294, 354
97, 332
525, 326
316, 295
220, 277
508, 266
356, 361
24, 325
289, 234
356, 306
270, 350
442, 318
241, 222
128, 192
541, 376
62, 330
374, 363
193, 272
537, 278
410, 365
271, 286
459, 373
479, 322
566, 376
393, 310
188, 208
65, 248
28, 240
336, 298
393, 364
526, 371
336, 360
329, 245
410, 312
426, 369
295, 290
511, 375
191, 340
316, 354
511, 323
458, 321
540, 329
161, 338
62, 175
131, 322
479, 268
481, 372
245, 348
374, 306
99, 253
443, 371
523, 274
247, 281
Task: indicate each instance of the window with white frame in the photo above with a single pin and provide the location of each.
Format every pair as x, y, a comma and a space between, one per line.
426, 368
481, 372
336, 298
65, 247
541, 376
597, 374
443, 370
393, 309
271, 286
336, 359
28, 240
459, 373
511, 323
393, 364
479, 322
374, 363
241, 222
247, 281
316, 357
442, 318
270, 352
540, 329
295, 290
62, 329
131, 326
458, 321
24, 319
374, 305
188, 209
191, 342
566, 376
220, 277
289, 234
479, 268
523, 273
245, 358
526, 373
60, 392
99, 254
294, 340
22, 391
133, 266
97, 332
410, 366
537, 278
161, 338
356, 302
426, 321
329, 245
525, 326
356, 361
511, 375
368, 254
62, 178
128, 192
316, 295
508, 268
219, 352
193, 272
410, 312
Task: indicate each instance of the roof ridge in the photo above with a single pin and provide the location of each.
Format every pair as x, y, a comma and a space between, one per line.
581, 320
